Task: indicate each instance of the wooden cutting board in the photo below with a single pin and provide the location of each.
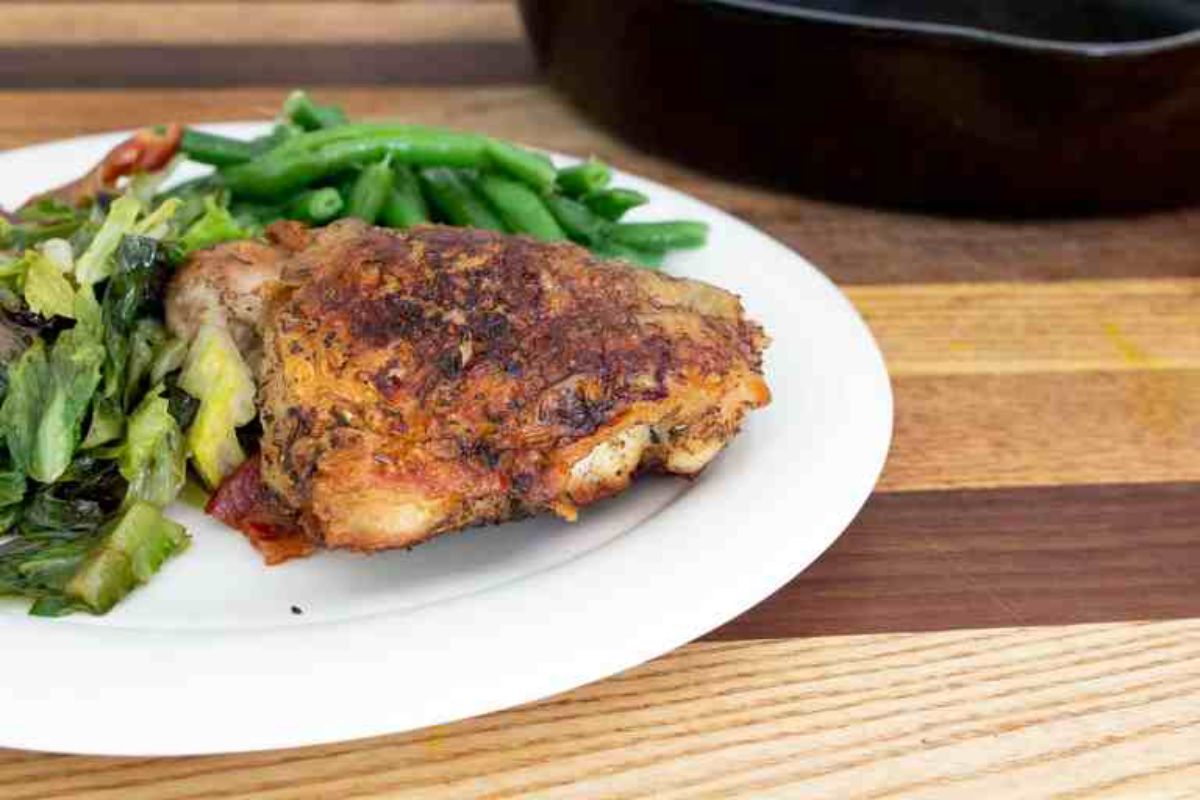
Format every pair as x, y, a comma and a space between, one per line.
1016, 612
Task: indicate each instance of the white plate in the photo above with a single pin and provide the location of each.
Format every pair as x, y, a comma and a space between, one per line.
209, 657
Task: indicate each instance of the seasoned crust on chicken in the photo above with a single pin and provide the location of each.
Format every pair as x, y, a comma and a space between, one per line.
422, 382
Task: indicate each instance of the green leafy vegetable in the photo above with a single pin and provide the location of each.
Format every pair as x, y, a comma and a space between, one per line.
167, 358
216, 226
47, 290
47, 398
107, 423
8, 517
130, 552
152, 458
78, 504
60, 253
132, 292
40, 569
75, 530
140, 271
144, 342
96, 263
183, 406
28, 385
157, 223
215, 374
75, 362
12, 487
13, 269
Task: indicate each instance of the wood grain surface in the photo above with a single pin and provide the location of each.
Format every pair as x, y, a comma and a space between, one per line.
1050, 555
1013, 712
1044, 472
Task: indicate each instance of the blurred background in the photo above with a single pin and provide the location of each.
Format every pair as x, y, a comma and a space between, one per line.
1009, 108
214, 43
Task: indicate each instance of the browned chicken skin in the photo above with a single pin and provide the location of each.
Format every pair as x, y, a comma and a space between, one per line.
415, 383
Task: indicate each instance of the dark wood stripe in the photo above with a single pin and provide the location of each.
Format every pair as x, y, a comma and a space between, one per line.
847, 243
424, 64
925, 561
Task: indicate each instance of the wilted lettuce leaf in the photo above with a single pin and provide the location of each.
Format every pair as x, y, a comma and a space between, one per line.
216, 226
38, 568
45, 219
133, 293
168, 358
215, 374
89, 317
8, 517
47, 398
138, 278
107, 423
152, 457
75, 362
157, 223
47, 290
131, 550
182, 405
12, 487
12, 492
80, 502
47, 210
144, 342
96, 263
28, 387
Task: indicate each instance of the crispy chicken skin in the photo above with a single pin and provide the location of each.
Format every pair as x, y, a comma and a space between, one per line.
415, 383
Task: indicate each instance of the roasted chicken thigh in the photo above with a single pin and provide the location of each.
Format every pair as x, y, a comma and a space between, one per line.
413, 383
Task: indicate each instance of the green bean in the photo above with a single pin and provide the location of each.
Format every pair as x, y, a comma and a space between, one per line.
295, 165
583, 179
311, 141
278, 135
405, 206
456, 201
211, 148
520, 207
369, 192
613, 203
659, 235
205, 184
646, 258
300, 109
317, 206
251, 215
579, 223
527, 166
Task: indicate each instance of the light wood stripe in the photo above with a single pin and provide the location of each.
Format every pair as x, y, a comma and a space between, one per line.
982, 431
35, 25
1003, 328
1010, 712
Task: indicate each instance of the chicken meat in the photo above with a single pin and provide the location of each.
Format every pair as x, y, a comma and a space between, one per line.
420, 382
224, 285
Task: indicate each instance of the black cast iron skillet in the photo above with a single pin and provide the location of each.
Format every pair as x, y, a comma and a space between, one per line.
1012, 106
